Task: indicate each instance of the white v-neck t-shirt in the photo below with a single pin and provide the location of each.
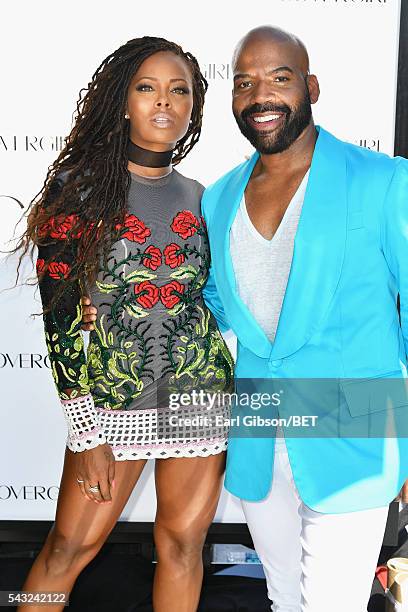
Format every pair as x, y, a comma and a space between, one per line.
262, 266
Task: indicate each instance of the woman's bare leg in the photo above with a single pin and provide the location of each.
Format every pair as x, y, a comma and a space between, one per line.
188, 490
80, 529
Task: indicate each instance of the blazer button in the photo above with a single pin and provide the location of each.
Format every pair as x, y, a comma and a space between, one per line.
275, 363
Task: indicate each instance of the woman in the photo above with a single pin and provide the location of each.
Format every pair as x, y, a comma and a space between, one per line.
115, 221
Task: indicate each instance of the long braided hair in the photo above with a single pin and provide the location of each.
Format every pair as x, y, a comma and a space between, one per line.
93, 162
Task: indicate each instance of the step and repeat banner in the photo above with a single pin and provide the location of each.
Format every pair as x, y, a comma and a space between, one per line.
48, 53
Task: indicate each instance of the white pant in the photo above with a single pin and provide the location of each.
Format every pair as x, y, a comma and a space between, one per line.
313, 562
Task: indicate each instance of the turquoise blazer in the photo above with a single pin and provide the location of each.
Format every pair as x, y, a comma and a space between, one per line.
339, 320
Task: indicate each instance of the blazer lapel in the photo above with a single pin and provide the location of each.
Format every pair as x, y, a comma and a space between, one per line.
317, 258
318, 250
243, 323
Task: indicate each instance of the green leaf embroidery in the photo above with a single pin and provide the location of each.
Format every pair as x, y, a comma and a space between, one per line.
79, 343
100, 385
73, 331
184, 272
139, 275
176, 309
135, 311
106, 287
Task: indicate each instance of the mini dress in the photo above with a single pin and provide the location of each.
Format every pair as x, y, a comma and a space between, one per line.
154, 337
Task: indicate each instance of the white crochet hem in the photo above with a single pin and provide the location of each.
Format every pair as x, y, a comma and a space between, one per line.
84, 430
91, 440
203, 449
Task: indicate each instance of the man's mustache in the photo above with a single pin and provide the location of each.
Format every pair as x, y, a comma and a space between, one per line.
264, 108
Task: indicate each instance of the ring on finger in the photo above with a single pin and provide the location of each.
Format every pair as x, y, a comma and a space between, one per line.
94, 489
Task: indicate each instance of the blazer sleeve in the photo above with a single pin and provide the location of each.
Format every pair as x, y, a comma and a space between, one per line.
212, 299
210, 291
64, 340
395, 237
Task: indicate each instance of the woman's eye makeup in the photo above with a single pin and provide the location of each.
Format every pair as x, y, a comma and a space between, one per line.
147, 87
143, 87
184, 90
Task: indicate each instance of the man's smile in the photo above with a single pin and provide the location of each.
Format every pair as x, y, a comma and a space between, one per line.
265, 121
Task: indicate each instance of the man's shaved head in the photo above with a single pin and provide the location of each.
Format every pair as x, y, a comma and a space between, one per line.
275, 35
273, 88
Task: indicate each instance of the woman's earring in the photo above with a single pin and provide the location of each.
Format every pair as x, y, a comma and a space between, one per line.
126, 116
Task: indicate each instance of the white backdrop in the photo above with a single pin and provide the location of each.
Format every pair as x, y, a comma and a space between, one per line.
48, 53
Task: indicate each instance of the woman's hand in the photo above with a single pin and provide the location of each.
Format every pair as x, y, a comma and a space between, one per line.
88, 313
96, 466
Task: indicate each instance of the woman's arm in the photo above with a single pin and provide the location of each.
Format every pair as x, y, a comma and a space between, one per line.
62, 325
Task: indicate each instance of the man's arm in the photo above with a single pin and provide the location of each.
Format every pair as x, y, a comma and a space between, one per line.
210, 292
214, 303
394, 231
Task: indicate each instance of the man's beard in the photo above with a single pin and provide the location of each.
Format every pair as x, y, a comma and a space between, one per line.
296, 120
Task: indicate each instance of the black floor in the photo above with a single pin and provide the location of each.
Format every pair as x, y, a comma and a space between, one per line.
119, 579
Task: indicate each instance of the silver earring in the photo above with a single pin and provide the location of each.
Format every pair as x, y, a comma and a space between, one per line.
126, 116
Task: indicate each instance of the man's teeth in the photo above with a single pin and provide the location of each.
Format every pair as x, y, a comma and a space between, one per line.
266, 118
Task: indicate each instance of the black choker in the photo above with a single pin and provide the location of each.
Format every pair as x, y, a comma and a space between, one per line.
151, 159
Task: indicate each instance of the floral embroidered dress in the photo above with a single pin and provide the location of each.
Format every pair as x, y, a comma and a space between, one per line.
154, 335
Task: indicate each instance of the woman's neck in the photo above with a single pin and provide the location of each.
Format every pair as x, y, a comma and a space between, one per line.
148, 172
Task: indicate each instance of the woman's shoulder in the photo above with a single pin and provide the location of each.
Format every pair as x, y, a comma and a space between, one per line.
192, 186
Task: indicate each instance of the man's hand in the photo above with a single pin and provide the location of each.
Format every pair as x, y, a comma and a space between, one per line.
88, 313
403, 494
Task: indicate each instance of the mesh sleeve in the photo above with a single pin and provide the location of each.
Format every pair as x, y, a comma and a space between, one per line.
63, 335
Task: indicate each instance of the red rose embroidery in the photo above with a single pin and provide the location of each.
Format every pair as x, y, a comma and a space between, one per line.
173, 257
45, 229
88, 231
185, 224
167, 295
39, 265
136, 229
149, 294
59, 230
203, 223
155, 260
58, 270
58, 227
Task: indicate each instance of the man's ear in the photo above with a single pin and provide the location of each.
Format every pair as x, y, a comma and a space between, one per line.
314, 88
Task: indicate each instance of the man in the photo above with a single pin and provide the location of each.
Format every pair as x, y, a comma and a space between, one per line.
322, 306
